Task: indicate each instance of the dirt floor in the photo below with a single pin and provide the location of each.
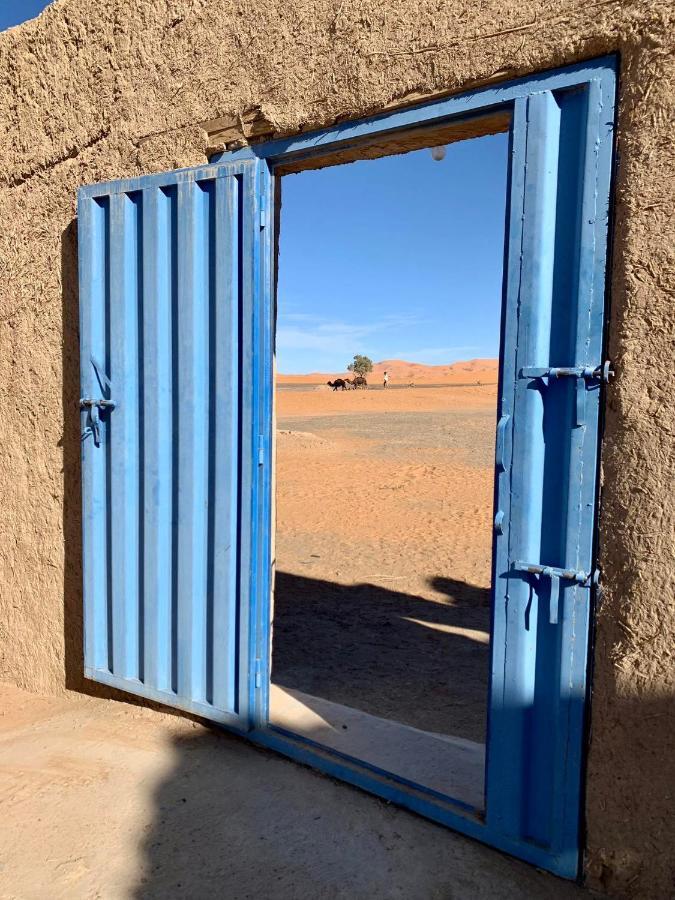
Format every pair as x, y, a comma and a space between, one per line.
107, 800
383, 551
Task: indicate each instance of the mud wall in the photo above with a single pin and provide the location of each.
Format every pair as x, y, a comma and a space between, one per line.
94, 91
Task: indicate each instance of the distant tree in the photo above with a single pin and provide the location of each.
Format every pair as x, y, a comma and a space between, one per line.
362, 365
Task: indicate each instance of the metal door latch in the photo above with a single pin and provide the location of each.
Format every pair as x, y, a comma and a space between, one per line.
582, 373
578, 576
92, 405
598, 373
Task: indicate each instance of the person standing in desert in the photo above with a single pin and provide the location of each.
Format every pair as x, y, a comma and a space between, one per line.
386, 378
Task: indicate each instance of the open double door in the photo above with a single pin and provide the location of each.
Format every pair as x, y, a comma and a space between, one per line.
177, 338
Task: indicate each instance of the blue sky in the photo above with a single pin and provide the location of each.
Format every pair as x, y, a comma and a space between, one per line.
397, 258
12, 12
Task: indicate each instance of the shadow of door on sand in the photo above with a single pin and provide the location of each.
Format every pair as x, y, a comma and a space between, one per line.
385, 652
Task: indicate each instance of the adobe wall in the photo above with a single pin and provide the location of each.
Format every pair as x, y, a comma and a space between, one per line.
94, 91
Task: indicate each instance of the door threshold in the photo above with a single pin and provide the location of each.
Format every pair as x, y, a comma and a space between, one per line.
450, 767
414, 798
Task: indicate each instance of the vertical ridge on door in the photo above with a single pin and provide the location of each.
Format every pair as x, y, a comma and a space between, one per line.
93, 229
192, 371
124, 434
224, 419
157, 438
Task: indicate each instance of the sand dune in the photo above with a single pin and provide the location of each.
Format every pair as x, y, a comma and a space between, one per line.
403, 372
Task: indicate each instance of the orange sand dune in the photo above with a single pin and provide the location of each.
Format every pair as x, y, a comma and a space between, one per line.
402, 372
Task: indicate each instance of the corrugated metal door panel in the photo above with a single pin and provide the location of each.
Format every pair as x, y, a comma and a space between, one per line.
547, 462
168, 288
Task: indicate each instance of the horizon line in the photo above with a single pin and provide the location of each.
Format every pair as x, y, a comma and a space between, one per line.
400, 362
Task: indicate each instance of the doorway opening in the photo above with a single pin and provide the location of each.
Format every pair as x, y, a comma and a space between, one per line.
389, 312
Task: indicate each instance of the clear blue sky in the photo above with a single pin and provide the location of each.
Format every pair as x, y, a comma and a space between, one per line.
12, 12
396, 258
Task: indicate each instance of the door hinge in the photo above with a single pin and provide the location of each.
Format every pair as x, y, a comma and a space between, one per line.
578, 576
581, 373
263, 214
261, 450
258, 673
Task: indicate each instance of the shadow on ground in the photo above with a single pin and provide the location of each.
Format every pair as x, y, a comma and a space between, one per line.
388, 653
232, 821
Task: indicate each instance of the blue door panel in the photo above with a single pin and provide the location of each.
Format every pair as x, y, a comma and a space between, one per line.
530, 310
167, 297
546, 485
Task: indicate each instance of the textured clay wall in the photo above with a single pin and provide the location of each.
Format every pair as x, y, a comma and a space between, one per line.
98, 90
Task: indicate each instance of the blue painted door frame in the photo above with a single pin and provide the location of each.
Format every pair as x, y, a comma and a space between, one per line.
551, 380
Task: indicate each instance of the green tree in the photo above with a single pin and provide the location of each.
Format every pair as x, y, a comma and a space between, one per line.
361, 365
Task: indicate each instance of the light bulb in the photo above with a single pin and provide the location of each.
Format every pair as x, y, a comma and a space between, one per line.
438, 153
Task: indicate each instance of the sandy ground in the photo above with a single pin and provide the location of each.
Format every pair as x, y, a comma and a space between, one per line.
383, 553
111, 801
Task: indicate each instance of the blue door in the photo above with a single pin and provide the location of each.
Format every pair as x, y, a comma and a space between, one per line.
170, 306
176, 280
547, 445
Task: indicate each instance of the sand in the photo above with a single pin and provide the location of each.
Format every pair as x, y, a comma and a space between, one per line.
107, 800
383, 551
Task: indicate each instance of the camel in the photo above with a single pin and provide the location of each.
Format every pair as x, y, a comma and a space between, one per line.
360, 382
338, 384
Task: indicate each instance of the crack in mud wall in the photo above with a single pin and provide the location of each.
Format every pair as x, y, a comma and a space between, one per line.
14, 180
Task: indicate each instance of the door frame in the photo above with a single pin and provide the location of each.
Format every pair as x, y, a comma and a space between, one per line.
502, 822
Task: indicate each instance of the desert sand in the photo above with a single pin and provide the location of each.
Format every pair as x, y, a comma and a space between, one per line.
383, 550
400, 371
